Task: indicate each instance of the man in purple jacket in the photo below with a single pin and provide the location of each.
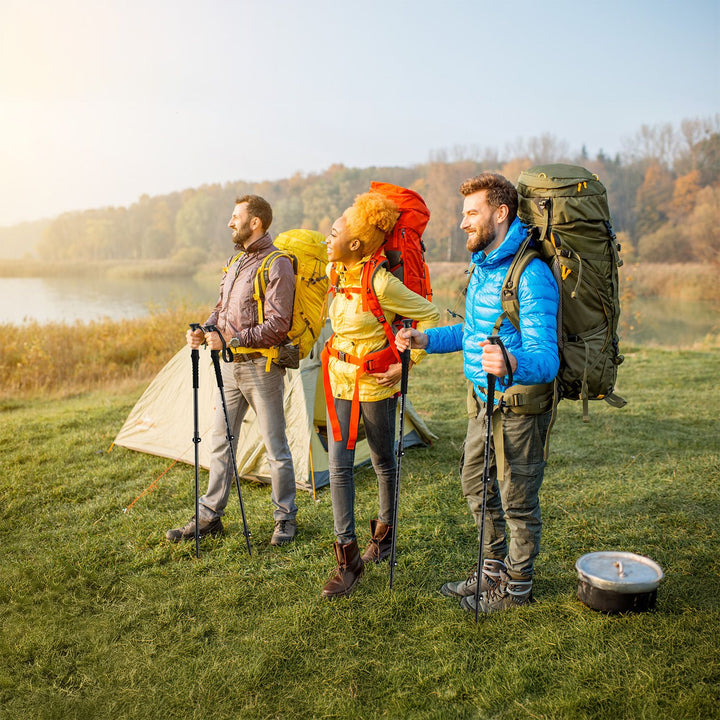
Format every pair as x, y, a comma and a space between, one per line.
249, 381
494, 234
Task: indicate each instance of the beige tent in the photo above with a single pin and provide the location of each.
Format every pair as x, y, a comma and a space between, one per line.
161, 423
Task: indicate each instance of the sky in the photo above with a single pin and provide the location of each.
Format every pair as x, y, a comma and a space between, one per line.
102, 102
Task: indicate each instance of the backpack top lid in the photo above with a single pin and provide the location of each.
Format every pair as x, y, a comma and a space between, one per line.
576, 195
305, 244
555, 176
414, 212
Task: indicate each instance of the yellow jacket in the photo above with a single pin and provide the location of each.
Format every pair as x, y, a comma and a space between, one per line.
358, 332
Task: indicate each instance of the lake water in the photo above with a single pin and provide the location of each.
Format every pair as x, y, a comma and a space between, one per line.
70, 299
669, 323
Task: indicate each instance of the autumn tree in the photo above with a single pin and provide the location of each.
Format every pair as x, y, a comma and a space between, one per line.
685, 191
443, 237
653, 199
701, 230
660, 193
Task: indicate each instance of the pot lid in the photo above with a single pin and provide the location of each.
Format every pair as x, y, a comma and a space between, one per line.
623, 572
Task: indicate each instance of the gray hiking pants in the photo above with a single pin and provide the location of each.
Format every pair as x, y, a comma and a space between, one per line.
247, 385
513, 502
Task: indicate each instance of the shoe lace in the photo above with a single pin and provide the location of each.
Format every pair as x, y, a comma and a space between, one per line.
496, 592
280, 527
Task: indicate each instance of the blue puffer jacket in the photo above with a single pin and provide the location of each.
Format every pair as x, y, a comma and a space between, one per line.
535, 346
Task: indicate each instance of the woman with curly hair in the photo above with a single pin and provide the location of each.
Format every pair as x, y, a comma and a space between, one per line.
353, 241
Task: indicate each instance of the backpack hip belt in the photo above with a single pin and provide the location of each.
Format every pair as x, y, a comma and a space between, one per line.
528, 399
269, 353
377, 361
520, 400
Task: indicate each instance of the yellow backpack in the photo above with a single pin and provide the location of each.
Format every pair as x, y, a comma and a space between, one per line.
307, 251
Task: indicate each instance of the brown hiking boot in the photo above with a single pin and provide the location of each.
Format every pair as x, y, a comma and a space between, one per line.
207, 527
348, 572
490, 579
507, 595
380, 544
284, 532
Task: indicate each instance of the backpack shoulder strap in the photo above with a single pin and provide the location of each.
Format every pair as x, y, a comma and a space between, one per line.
262, 277
370, 299
231, 261
509, 294
369, 296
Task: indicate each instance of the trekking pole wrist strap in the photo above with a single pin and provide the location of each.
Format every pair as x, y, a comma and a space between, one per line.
226, 353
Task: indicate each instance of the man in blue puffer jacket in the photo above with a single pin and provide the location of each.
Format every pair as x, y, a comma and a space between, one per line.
494, 234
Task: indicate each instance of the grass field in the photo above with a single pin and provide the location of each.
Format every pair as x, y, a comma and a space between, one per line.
101, 618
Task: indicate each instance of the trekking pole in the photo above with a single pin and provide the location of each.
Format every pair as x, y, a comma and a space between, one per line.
405, 361
195, 358
489, 409
215, 355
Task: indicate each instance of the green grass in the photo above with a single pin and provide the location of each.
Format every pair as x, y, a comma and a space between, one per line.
101, 618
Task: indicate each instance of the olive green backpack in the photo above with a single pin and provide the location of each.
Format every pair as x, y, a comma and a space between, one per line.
565, 208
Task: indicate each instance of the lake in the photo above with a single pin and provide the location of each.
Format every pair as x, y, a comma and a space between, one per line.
70, 299
663, 322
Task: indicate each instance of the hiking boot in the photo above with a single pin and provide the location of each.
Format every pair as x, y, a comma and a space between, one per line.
284, 532
380, 544
348, 572
507, 595
207, 527
464, 588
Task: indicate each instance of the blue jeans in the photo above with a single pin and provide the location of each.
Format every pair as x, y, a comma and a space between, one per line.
379, 420
247, 385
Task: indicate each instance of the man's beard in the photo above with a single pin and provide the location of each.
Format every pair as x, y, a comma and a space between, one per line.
242, 234
483, 237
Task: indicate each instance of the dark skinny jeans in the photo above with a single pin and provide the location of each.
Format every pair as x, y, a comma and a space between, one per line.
379, 421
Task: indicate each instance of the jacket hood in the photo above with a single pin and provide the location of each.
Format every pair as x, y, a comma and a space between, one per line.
508, 247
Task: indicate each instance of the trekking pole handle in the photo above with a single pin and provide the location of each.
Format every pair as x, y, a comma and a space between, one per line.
195, 356
405, 360
226, 352
495, 340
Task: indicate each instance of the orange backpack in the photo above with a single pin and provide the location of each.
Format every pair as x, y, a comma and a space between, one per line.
403, 254
404, 248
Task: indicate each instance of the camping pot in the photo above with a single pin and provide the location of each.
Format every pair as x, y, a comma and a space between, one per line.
617, 582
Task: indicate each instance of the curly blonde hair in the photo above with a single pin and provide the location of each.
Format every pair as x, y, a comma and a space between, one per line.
370, 219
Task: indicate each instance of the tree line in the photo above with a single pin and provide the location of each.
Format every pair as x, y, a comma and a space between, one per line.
663, 189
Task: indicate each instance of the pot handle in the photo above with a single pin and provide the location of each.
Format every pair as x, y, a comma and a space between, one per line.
618, 564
